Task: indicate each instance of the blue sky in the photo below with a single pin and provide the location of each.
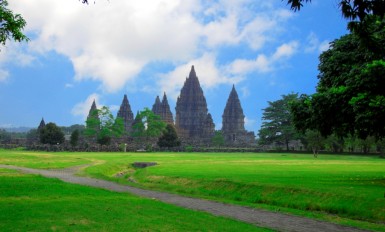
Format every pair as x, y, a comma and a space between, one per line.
78, 53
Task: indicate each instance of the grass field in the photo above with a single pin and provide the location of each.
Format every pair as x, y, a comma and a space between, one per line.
34, 203
343, 189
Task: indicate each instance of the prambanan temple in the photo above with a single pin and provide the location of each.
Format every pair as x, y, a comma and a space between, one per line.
193, 122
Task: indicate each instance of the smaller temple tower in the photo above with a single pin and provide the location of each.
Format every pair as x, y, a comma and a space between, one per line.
41, 125
126, 114
163, 109
93, 109
233, 122
93, 117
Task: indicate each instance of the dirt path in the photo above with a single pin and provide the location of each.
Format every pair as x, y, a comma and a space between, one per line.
262, 218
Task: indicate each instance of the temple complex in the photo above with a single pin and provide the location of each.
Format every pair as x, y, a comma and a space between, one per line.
163, 109
126, 114
193, 121
233, 122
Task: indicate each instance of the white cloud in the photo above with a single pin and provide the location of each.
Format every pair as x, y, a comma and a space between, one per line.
14, 54
245, 92
82, 108
314, 44
112, 41
3, 75
244, 66
285, 50
249, 123
263, 63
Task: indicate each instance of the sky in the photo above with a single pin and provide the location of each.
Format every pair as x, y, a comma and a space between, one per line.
78, 53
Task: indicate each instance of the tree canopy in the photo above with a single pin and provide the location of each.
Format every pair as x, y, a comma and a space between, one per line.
277, 123
11, 25
169, 137
103, 126
51, 134
147, 125
350, 97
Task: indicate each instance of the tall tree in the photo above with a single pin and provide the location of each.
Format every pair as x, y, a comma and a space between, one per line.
147, 125
11, 25
103, 126
218, 139
169, 137
74, 138
277, 123
51, 134
350, 97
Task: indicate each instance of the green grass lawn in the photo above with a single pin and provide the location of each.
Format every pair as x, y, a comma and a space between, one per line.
340, 188
35, 203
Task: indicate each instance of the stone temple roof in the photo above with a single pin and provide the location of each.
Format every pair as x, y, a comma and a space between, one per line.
192, 117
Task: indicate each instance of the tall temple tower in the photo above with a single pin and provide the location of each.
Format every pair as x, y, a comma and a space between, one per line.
163, 109
233, 122
192, 118
41, 125
166, 112
92, 113
126, 114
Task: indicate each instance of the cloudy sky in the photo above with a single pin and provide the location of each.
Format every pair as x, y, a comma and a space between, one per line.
78, 53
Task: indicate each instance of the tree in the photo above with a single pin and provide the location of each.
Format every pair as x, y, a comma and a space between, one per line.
11, 25
351, 9
169, 137
103, 126
74, 140
147, 125
277, 123
350, 97
314, 141
51, 134
218, 139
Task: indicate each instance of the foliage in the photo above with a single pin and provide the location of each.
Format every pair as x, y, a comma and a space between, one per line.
74, 140
334, 143
103, 126
147, 125
51, 134
11, 25
314, 141
72, 128
350, 97
218, 139
277, 123
169, 137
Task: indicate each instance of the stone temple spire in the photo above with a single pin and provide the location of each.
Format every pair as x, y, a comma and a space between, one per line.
233, 122
126, 114
163, 109
192, 117
41, 125
157, 107
91, 113
233, 119
166, 112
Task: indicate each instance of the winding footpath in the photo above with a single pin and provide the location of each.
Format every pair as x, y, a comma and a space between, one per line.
257, 217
